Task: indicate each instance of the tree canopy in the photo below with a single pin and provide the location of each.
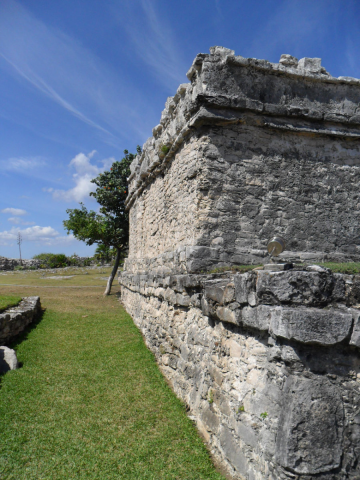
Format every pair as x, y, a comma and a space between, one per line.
109, 227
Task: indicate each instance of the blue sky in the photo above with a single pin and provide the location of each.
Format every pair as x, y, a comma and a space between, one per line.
82, 80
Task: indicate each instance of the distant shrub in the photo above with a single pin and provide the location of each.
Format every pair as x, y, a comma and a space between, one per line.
19, 267
52, 260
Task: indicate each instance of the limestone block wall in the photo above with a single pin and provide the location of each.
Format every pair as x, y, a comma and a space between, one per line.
260, 181
268, 363
246, 150
14, 320
166, 214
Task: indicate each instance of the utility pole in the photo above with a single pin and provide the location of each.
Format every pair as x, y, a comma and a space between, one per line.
19, 242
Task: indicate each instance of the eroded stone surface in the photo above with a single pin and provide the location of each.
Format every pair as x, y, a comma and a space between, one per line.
311, 424
311, 325
255, 148
271, 403
268, 362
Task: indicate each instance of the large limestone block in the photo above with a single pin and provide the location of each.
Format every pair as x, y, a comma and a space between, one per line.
257, 317
296, 287
245, 288
309, 439
220, 291
355, 337
8, 359
311, 325
232, 451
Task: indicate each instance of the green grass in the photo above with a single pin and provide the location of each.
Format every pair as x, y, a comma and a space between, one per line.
7, 301
90, 402
80, 276
350, 268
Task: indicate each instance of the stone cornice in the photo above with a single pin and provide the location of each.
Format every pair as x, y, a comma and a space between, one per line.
224, 88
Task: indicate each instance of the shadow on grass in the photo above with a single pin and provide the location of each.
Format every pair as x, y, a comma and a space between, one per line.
21, 337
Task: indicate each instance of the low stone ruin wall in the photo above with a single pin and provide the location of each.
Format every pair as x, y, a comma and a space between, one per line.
11, 263
14, 320
267, 361
7, 264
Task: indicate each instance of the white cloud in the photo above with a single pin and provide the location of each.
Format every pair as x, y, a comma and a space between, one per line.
85, 171
14, 211
19, 221
40, 235
19, 164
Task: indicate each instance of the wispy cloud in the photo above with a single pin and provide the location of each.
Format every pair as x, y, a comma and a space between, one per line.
154, 42
85, 171
40, 235
41, 85
59, 67
14, 211
21, 164
19, 221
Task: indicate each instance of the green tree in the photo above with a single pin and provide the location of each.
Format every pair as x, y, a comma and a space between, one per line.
104, 253
109, 227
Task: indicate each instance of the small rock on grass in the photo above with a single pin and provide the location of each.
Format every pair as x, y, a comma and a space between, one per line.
8, 360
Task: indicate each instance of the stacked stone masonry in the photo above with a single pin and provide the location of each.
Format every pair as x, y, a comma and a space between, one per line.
268, 362
249, 149
11, 263
14, 320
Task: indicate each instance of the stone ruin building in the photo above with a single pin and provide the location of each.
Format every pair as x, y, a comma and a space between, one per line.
268, 362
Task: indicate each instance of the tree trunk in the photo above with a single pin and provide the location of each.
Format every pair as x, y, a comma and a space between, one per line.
113, 273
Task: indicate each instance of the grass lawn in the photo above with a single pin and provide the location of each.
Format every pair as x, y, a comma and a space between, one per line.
7, 301
89, 401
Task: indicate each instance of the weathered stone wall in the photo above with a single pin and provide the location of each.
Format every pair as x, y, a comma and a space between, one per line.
247, 150
268, 363
14, 320
259, 181
11, 263
166, 213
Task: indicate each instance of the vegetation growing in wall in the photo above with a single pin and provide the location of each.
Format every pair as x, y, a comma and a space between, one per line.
210, 396
350, 268
164, 150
